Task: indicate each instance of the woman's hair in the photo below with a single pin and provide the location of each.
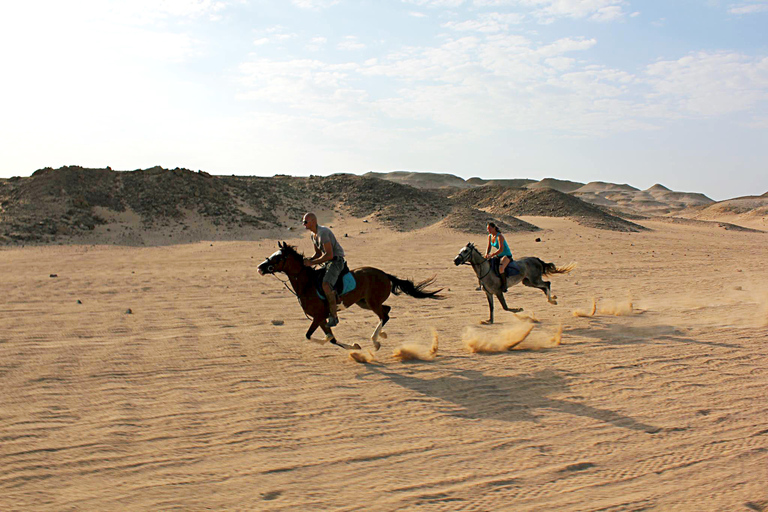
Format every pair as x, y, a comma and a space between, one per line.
494, 226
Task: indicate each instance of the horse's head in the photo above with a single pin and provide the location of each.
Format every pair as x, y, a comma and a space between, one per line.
464, 255
279, 259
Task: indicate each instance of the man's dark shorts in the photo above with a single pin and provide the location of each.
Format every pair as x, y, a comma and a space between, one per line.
333, 270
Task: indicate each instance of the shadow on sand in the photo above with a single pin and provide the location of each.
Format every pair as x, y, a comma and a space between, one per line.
614, 334
513, 399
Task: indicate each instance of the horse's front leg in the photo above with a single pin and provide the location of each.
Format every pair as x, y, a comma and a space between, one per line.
332, 339
313, 327
503, 303
489, 296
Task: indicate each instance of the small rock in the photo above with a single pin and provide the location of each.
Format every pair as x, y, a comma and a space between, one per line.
79, 301
277, 322
54, 275
738, 288
538, 240
346, 235
128, 311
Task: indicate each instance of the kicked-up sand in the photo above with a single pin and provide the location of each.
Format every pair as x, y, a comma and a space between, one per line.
177, 378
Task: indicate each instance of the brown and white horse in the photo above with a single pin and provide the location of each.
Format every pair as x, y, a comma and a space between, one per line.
372, 290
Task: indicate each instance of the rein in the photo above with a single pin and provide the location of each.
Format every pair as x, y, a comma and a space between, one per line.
286, 286
474, 249
292, 291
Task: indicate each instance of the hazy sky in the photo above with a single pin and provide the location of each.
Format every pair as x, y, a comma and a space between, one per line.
667, 91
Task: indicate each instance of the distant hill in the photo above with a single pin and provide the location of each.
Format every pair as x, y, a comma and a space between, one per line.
425, 180
514, 183
657, 200
559, 185
545, 202
749, 208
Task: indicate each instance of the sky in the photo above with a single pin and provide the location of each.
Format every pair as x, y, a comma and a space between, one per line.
623, 91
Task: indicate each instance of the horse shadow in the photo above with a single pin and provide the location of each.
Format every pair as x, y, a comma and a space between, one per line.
615, 334
475, 395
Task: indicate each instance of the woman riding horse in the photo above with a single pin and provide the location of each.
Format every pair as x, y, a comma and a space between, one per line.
499, 243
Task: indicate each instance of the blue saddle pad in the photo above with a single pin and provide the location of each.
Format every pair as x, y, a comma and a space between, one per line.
511, 269
349, 284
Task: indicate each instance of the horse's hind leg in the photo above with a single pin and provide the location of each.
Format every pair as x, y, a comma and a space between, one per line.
383, 313
543, 286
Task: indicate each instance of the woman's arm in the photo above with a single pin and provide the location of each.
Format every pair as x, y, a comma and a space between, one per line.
501, 247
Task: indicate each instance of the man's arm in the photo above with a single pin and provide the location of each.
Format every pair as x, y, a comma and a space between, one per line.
320, 257
327, 256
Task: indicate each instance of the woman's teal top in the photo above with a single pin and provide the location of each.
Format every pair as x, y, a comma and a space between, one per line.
495, 245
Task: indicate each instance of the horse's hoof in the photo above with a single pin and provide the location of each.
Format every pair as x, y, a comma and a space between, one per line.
356, 346
553, 302
376, 345
486, 322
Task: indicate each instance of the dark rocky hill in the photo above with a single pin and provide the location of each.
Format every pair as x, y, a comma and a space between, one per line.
75, 204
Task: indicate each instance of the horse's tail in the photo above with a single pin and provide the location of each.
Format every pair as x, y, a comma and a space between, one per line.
550, 268
414, 290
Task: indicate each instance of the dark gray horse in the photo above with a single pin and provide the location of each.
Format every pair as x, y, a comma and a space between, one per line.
531, 271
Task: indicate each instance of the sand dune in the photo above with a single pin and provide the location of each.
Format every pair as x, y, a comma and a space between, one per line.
207, 396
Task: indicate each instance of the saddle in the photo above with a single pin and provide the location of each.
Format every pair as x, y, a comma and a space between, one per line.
511, 269
342, 284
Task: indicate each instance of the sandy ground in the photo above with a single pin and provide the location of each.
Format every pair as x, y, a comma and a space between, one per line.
196, 401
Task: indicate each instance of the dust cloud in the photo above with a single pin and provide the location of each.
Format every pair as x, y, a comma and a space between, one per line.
540, 340
591, 312
479, 341
414, 351
361, 357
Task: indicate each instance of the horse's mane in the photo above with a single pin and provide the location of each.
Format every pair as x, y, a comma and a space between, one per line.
290, 250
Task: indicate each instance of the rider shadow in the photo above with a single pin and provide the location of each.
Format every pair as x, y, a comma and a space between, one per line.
475, 395
613, 334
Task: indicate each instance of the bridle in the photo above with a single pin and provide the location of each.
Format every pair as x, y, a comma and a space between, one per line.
468, 262
271, 271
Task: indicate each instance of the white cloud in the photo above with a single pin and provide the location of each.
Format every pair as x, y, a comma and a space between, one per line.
436, 3
753, 7
350, 43
314, 5
547, 11
710, 84
488, 23
316, 43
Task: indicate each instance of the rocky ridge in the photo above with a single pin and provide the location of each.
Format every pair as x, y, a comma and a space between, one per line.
78, 205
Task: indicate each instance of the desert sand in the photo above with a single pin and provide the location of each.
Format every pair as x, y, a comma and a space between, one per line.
643, 389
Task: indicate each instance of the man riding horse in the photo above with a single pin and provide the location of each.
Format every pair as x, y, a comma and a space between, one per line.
328, 252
